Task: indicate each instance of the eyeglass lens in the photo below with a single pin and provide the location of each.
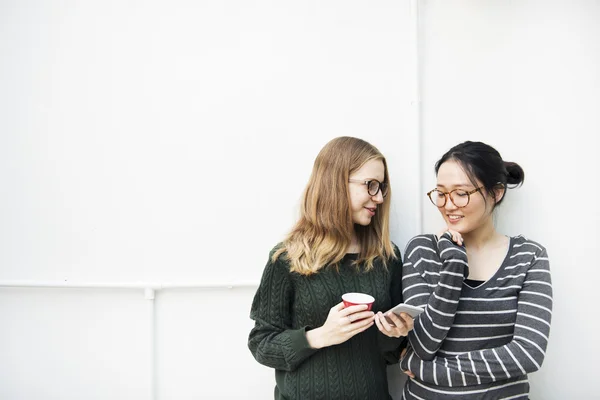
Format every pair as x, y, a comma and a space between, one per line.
459, 197
375, 186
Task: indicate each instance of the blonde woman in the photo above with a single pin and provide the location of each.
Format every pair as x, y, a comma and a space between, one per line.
340, 244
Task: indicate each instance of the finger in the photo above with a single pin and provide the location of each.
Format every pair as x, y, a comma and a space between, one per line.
380, 319
361, 315
409, 373
347, 320
385, 322
352, 318
405, 324
396, 320
358, 325
338, 307
456, 237
344, 312
367, 326
409, 321
360, 329
378, 323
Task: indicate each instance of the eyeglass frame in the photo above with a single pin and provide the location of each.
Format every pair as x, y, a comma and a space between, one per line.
449, 195
367, 182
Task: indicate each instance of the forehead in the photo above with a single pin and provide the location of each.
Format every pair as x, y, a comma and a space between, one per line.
451, 173
371, 169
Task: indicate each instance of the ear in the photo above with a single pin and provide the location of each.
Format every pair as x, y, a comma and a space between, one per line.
499, 191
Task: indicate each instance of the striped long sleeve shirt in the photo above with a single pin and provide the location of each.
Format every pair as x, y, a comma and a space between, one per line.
475, 342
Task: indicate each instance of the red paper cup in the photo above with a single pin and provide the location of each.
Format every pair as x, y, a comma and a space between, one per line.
353, 299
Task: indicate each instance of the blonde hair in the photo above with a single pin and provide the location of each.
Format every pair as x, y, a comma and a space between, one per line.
323, 233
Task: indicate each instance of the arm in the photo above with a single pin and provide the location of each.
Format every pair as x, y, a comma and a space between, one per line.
392, 346
424, 255
272, 341
522, 355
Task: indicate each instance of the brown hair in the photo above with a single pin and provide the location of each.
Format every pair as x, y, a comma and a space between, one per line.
324, 230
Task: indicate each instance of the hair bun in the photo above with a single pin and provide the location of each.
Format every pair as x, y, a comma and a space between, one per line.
514, 173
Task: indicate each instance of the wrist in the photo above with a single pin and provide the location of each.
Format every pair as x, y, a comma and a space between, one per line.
315, 338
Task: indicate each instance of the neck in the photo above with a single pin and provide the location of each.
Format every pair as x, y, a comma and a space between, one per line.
354, 244
480, 237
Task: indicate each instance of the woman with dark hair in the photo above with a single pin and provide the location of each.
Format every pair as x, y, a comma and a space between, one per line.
487, 296
341, 243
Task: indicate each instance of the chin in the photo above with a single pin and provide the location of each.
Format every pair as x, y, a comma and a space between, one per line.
364, 222
460, 228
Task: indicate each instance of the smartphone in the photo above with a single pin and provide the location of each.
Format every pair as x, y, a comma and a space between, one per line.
413, 311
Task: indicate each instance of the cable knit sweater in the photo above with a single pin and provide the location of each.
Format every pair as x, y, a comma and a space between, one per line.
286, 305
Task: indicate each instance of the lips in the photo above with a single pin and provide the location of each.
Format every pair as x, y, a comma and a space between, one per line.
371, 210
454, 218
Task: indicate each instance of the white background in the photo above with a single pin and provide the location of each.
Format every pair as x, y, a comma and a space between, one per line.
170, 142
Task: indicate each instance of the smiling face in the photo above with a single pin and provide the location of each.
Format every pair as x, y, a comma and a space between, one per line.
363, 206
477, 213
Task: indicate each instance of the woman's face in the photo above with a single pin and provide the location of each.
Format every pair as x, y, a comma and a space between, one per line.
476, 213
363, 206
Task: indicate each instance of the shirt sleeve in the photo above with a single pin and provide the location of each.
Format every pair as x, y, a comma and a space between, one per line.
391, 347
425, 257
273, 342
522, 355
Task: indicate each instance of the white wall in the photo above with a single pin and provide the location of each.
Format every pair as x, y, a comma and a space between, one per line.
525, 77
170, 142
116, 117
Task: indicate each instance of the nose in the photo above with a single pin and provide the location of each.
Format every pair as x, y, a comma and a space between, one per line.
449, 203
378, 198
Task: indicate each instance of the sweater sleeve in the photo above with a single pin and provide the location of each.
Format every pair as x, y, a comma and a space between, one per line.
426, 256
391, 347
273, 342
522, 355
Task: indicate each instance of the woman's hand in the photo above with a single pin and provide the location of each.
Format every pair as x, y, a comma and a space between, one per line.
455, 235
407, 372
401, 324
341, 324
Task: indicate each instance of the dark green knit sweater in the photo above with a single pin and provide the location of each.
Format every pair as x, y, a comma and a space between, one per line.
286, 305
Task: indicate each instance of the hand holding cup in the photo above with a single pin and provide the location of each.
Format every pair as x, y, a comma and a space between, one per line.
344, 321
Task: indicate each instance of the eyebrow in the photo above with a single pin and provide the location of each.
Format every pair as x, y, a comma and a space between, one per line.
370, 179
460, 185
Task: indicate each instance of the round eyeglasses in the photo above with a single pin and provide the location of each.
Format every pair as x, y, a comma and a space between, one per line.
373, 186
459, 197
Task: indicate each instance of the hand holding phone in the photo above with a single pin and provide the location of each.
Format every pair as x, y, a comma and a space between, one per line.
413, 311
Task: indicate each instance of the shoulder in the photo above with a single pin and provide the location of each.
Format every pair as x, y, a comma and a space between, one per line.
277, 265
420, 244
526, 246
274, 290
396, 250
528, 254
279, 255
279, 247
395, 262
531, 259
